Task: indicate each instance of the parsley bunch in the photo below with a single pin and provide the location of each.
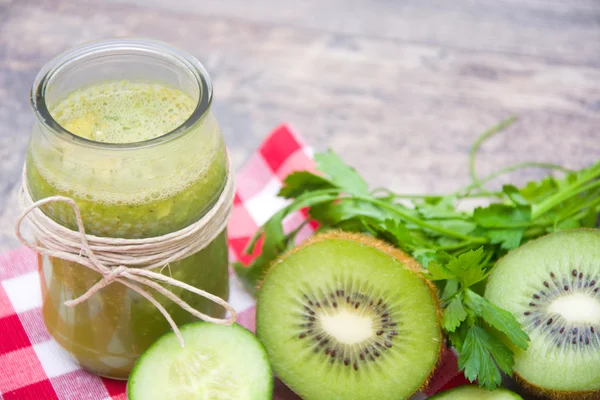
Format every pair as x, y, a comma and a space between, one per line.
458, 248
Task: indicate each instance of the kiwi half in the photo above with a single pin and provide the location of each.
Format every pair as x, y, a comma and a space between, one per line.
552, 286
345, 316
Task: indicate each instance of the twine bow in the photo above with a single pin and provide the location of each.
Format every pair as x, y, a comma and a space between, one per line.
115, 258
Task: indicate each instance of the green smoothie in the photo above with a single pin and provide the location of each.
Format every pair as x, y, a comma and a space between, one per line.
130, 192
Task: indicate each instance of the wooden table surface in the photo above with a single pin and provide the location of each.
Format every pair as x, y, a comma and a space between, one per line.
400, 88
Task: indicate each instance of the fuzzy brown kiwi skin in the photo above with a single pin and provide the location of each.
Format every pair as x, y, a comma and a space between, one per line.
406, 260
555, 395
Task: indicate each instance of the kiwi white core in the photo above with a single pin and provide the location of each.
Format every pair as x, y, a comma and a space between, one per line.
348, 327
576, 307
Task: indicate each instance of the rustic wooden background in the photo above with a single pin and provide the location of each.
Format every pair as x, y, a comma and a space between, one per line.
400, 88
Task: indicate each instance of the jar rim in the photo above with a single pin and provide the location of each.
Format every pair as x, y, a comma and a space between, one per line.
123, 45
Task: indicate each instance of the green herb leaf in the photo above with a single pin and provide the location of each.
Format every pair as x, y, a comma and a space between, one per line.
457, 338
440, 208
536, 191
299, 182
503, 356
515, 195
500, 319
507, 238
476, 358
568, 224
454, 314
455, 225
502, 216
274, 244
467, 267
437, 272
341, 174
449, 290
399, 232
343, 209
425, 256
591, 219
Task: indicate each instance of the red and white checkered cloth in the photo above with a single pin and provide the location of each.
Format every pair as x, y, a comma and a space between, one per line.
33, 366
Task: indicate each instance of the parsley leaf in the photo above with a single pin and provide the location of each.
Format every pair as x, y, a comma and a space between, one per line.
502, 355
440, 208
457, 338
399, 232
467, 267
341, 174
426, 256
515, 195
500, 319
508, 239
502, 216
454, 314
439, 272
300, 182
536, 191
456, 225
476, 358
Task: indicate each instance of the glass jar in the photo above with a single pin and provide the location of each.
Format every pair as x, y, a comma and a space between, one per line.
127, 190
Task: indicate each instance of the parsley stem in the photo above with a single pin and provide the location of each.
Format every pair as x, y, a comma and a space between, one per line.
506, 170
479, 141
420, 222
581, 210
391, 194
488, 257
561, 196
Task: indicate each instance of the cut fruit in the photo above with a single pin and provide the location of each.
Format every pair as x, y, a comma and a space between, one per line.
552, 286
472, 392
345, 316
217, 363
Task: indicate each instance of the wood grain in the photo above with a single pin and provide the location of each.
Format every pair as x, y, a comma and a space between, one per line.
553, 30
400, 89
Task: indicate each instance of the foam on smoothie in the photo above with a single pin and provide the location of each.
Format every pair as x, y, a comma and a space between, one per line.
129, 112
123, 112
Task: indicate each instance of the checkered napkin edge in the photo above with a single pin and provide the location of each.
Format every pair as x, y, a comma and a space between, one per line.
33, 366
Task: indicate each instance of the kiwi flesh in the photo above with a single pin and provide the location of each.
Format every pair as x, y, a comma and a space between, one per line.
345, 316
473, 392
552, 286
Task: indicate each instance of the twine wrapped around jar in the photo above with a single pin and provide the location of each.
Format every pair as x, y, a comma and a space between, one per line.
129, 261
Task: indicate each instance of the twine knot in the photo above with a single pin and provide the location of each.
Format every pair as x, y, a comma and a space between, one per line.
129, 261
114, 273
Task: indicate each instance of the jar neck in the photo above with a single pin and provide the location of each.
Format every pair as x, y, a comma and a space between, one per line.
119, 60
138, 189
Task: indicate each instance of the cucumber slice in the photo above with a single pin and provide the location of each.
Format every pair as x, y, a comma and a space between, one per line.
217, 363
472, 392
